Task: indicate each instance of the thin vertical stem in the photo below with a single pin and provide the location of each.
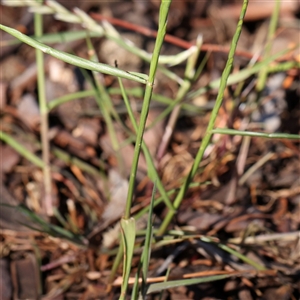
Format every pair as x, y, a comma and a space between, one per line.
211, 123
163, 14
152, 172
38, 27
105, 105
263, 74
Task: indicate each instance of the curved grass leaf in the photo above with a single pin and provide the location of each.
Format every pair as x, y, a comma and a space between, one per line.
157, 287
75, 60
257, 134
246, 73
128, 238
58, 37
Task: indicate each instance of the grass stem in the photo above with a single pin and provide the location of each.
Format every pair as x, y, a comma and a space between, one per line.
164, 9
211, 123
38, 28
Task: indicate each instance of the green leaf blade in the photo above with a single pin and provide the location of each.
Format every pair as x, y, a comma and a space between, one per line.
75, 60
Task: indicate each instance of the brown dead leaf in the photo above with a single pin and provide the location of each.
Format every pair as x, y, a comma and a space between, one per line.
28, 111
9, 158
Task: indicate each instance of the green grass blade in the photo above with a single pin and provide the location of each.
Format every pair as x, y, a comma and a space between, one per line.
244, 74
60, 218
263, 74
157, 287
112, 34
163, 14
69, 97
257, 134
106, 107
235, 253
9, 140
53, 38
137, 92
152, 172
175, 110
116, 264
161, 199
284, 66
73, 160
75, 60
242, 257
48, 228
173, 60
144, 261
135, 287
211, 123
147, 246
128, 232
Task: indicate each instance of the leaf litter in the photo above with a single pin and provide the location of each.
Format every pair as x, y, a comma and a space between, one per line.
243, 222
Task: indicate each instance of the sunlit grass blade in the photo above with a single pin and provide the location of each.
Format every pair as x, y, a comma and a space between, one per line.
171, 60
157, 287
75, 60
257, 134
20, 3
